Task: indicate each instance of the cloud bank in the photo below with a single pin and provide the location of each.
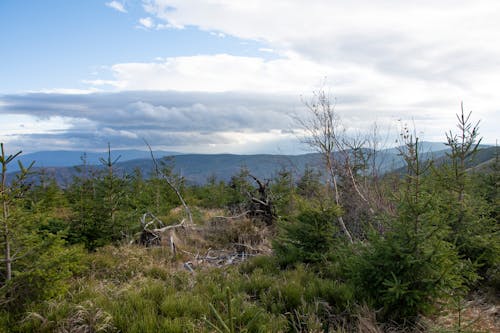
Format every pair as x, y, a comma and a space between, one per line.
198, 122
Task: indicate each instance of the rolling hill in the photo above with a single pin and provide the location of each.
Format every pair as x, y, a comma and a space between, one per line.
198, 168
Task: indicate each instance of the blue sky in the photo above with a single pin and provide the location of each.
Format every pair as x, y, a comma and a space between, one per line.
59, 43
230, 76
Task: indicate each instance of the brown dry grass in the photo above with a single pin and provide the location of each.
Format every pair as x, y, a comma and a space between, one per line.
477, 314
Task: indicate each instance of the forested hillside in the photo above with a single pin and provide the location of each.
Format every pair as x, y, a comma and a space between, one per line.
338, 246
197, 169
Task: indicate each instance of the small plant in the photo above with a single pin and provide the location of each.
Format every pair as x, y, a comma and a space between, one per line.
221, 326
307, 238
230, 321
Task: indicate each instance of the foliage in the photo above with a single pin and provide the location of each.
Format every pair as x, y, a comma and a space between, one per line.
471, 211
282, 192
44, 273
96, 204
308, 236
214, 194
309, 185
38, 262
401, 281
256, 297
10, 196
240, 187
405, 271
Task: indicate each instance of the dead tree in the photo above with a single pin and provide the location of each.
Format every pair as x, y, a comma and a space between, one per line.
154, 231
261, 204
324, 131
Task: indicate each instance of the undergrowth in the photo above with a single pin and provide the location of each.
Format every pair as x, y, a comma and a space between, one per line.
132, 289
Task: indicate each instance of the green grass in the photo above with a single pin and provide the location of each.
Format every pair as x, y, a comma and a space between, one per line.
132, 289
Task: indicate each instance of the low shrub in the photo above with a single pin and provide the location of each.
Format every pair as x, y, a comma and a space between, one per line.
308, 237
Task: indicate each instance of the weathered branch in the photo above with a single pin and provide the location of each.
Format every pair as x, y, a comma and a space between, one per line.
170, 183
153, 236
155, 219
353, 180
262, 204
169, 227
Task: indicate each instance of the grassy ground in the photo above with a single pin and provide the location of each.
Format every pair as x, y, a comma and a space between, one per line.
204, 287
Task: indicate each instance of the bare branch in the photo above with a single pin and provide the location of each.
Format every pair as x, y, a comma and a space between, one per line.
170, 183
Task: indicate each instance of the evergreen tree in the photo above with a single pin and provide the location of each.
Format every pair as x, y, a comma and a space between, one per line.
406, 270
37, 262
309, 185
307, 237
475, 231
10, 194
282, 192
99, 203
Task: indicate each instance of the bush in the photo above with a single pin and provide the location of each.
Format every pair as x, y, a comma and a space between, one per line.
44, 274
404, 272
267, 264
308, 237
402, 279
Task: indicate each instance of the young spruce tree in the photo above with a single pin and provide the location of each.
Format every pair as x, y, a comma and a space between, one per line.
403, 272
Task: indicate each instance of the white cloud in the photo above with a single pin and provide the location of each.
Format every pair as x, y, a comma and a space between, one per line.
218, 34
98, 83
116, 5
284, 21
378, 96
106, 131
429, 40
406, 58
266, 49
221, 72
146, 22
433, 38
14, 126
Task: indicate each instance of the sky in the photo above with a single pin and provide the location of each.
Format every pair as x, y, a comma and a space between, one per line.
231, 76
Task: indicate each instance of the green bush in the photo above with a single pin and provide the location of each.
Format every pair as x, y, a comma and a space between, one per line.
308, 237
404, 280
268, 265
403, 272
44, 274
339, 296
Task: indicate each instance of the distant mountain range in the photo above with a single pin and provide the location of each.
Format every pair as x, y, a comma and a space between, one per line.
197, 168
67, 158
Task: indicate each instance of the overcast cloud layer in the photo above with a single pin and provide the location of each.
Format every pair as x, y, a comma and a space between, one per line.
383, 59
216, 122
